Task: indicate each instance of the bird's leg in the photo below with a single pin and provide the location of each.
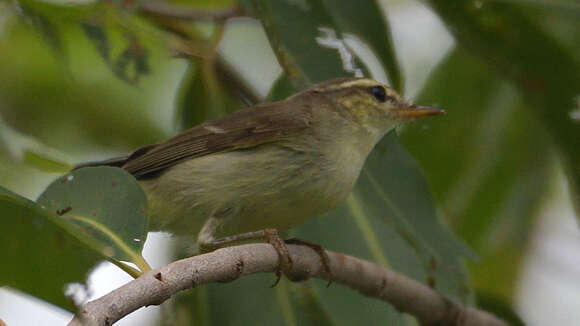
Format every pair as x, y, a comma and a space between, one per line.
207, 242
319, 250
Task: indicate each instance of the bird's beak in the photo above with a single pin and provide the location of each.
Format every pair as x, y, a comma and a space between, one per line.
415, 111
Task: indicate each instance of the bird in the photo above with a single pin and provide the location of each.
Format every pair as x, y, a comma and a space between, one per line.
269, 167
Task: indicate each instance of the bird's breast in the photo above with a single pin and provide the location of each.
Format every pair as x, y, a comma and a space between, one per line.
269, 186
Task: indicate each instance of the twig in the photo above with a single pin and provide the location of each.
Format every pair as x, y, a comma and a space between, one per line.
228, 264
159, 8
229, 76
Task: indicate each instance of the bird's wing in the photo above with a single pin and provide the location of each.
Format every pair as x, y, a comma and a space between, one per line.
242, 129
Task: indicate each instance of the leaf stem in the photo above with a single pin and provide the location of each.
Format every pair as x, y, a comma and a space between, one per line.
135, 257
135, 273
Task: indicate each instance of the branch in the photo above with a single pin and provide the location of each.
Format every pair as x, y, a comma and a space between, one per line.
161, 9
230, 77
228, 264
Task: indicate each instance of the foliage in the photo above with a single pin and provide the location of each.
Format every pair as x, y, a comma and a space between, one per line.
36, 242
96, 209
80, 78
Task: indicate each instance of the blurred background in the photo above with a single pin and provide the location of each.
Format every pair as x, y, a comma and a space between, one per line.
495, 173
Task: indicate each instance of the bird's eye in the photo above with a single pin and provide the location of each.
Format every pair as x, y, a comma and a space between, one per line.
379, 93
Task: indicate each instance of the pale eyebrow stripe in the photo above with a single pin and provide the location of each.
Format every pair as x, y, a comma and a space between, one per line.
358, 82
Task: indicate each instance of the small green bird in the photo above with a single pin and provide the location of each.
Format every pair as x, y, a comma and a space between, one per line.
268, 167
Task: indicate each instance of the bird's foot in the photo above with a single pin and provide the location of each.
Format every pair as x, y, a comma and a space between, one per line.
271, 236
320, 251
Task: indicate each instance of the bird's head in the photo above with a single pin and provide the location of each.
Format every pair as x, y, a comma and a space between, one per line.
370, 103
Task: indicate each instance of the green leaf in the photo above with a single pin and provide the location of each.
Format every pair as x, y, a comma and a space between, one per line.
547, 74
491, 181
107, 205
292, 27
42, 254
304, 35
365, 19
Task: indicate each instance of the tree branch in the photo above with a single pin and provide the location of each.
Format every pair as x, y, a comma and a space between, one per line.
162, 9
228, 264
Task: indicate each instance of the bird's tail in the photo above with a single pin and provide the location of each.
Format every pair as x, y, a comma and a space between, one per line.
117, 161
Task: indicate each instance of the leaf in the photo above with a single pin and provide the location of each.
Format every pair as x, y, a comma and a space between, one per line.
303, 35
491, 181
107, 205
365, 19
42, 254
291, 25
28, 150
546, 73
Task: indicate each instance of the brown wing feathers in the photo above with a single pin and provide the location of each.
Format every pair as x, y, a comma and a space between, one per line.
241, 129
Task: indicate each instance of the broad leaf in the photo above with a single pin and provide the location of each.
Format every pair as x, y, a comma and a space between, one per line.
365, 19
304, 35
107, 205
490, 182
546, 73
41, 253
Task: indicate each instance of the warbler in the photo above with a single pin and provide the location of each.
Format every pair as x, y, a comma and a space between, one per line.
269, 167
